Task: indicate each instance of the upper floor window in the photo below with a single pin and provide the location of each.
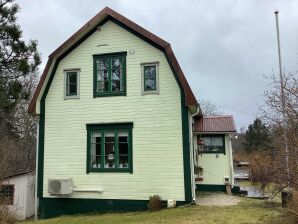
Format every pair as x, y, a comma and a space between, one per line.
150, 82
109, 74
213, 143
109, 147
71, 80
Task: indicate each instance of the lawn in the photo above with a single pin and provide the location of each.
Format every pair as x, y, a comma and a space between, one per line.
247, 211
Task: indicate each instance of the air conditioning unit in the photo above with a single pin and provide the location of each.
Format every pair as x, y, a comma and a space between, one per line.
60, 186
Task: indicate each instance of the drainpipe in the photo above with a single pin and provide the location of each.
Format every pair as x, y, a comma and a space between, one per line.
193, 184
231, 160
36, 174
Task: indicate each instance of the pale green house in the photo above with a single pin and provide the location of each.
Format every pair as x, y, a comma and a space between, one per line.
114, 106
116, 116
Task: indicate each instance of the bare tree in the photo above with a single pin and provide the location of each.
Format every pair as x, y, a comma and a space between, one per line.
209, 108
281, 115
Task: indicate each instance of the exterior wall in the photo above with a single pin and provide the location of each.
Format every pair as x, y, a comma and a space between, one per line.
22, 201
157, 132
30, 195
215, 169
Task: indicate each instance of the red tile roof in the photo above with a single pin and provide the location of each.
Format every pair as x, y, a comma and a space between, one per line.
215, 124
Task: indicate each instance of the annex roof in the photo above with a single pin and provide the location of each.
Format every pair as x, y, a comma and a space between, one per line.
214, 124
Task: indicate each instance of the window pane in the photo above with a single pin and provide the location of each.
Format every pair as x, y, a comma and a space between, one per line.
102, 75
109, 149
102, 86
207, 141
117, 74
123, 149
72, 89
149, 78
72, 77
71, 83
217, 141
213, 144
96, 150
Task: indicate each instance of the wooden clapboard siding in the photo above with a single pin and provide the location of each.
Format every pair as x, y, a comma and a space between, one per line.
215, 169
157, 131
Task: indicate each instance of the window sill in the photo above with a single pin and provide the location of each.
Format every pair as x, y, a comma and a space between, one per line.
109, 94
150, 92
71, 97
109, 170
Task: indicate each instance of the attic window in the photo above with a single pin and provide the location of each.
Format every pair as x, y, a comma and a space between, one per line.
71, 80
109, 74
150, 82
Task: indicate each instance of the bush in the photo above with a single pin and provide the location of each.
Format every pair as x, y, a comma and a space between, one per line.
6, 215
292, 203
154, 203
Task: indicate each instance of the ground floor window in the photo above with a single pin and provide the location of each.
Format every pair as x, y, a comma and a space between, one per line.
213, 143
7, 194
109, 147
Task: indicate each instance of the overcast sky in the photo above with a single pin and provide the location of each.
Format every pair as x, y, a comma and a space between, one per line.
224, 47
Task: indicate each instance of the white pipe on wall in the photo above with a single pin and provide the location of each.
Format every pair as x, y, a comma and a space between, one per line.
193, 183
88, 190
231, 160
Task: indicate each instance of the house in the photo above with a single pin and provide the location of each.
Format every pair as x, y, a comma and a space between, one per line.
115, 111
116, 122
213, 152
18, 191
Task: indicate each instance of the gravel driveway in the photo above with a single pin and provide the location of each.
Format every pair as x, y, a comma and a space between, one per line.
216, 199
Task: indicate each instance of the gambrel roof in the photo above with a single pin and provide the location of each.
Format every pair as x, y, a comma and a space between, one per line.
100, 18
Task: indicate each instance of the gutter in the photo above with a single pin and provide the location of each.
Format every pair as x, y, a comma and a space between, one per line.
193, 183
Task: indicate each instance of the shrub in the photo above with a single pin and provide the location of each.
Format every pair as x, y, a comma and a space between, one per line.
292, 203
154, 203
6, 215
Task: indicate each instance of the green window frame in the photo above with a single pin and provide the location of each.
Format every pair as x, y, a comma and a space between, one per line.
214, 143
7, 194
109, 147
71, 80
109, 74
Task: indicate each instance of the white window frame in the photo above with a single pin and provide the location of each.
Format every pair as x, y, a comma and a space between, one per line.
156, 64
77, 70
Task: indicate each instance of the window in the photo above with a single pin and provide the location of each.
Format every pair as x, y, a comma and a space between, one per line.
109, 74
150, 78
71, 78
7, 194
214, 144
109, 147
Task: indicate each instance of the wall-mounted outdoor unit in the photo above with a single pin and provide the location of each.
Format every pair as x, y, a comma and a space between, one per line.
60, 186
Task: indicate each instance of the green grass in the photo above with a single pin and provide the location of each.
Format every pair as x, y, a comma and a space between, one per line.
247, 211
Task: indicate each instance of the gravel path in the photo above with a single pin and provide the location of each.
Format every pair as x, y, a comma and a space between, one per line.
216, 199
